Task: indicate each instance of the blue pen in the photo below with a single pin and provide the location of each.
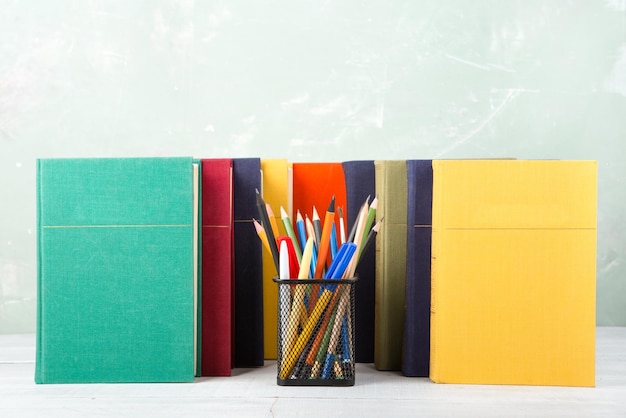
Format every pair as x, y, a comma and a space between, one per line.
333, 266
341, 261
337, 261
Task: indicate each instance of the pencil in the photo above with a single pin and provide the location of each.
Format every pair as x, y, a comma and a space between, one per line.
260, 231
290, 233
371, 237
265, 222
306, 259
342, 227
357, 239
325, 238
309, 229
317, 227
303, 241
311, 233
301, 230
272, 219
355, 224
371, 215
317, 342
333, 242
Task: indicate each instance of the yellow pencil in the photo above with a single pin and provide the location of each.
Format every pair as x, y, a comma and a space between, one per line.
272, 218
314, 292
260, 231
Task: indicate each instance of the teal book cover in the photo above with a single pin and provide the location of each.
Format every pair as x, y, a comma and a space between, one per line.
115, 270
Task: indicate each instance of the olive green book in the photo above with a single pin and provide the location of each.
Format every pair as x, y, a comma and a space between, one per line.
115, 270
391, 241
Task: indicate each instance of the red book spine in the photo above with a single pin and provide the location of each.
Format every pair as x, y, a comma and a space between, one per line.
217, 282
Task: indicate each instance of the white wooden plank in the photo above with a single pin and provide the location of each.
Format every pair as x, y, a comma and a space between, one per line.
254, 393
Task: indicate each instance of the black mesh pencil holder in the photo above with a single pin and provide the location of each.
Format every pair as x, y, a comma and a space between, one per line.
316, 332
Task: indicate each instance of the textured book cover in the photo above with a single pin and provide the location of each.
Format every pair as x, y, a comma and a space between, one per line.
513, 272
217, 279
416, 341
360, 181
248, 265
391, 187
275, 182
115, 270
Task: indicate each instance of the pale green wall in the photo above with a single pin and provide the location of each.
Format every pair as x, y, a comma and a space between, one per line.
309, 81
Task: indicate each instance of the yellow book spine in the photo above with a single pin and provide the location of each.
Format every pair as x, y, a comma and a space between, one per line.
275, 191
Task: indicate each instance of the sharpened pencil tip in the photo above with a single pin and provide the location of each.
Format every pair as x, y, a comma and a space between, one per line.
257, 226
259, 199
374, 203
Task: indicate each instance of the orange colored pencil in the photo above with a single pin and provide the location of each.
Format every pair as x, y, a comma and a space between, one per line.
324, 244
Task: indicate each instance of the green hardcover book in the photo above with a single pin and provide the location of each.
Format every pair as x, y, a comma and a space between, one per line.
391, 188
115, 270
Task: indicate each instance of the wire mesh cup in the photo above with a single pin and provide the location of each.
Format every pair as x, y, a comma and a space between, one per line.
316, 332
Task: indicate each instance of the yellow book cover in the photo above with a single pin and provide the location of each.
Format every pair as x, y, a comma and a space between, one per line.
275, 184
514, 272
